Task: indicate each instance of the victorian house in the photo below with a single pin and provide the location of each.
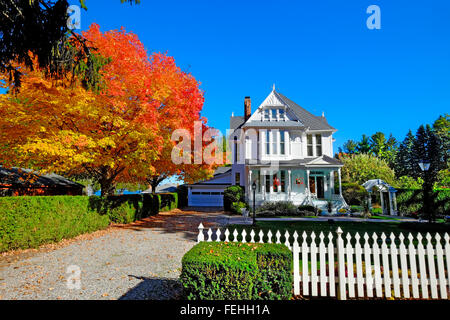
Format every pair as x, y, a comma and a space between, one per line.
284, 151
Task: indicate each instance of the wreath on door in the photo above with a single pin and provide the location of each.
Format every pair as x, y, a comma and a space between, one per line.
299, 181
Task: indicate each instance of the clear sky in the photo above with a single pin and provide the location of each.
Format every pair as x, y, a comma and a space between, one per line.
320, 54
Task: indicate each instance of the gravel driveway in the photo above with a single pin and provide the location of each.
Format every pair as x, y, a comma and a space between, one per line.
135, 261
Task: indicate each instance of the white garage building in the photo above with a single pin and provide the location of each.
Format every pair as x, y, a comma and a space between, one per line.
209, 193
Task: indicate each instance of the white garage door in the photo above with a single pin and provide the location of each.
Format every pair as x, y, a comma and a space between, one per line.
206, 199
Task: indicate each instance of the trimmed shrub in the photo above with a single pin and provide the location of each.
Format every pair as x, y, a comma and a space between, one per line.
233, 194
353, 193
237, 271
279, 208
30, 221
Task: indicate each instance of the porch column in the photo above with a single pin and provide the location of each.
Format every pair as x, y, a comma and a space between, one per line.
307, 181
382, 202
332, 182
394, 198
289, 184
390, 204
249, 187
370, 200
263, 184
340, 182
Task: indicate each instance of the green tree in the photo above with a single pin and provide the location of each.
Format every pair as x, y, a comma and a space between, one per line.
428, 147
404, 164
364, 145
359, 168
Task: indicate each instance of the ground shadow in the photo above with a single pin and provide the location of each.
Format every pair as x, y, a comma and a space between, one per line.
154, 289
184, 222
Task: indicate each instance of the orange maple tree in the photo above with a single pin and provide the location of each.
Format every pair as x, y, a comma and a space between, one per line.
119, 134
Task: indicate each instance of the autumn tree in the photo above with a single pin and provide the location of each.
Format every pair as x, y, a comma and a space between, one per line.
40, 27
178, 99
67, 129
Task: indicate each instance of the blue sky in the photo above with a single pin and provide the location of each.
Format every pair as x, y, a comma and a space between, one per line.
320, 54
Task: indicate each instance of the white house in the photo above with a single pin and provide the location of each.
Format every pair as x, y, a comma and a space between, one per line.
284, 150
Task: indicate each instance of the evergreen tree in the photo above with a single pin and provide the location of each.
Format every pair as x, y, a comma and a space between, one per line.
427, 147
364, 145
404, 164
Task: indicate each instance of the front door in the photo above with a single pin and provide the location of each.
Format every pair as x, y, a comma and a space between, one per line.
320, 188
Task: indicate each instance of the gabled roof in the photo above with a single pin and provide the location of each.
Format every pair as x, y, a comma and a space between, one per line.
305, 118
308, 119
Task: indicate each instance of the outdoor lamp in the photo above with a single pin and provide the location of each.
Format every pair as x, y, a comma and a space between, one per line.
424, 165
254, 191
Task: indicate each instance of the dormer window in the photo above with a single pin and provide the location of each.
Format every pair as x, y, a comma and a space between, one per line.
281, 114
267, 115
274, 115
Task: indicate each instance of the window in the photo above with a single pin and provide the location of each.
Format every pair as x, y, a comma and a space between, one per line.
237, 178
309, 144
274, 141
282, 148
267, 142
274, 114
318, 145
283, 180
281, 114
266, 115
236, 150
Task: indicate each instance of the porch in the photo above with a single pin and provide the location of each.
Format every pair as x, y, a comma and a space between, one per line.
308, 186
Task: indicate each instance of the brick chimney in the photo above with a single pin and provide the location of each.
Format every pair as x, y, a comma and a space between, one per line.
247, 108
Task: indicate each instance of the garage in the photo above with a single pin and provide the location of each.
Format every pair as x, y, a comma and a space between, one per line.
209, 193
209, 198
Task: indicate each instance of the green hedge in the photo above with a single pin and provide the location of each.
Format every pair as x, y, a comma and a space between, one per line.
236, 271
30, 221
410, 201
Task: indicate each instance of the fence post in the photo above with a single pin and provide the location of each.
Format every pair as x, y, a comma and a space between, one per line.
341, 265
201, 236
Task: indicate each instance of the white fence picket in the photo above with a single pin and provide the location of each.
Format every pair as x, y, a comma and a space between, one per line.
368, 266
394, 259
422, 268
296, 253
427, 275
440, 267
359, 271
350, 276
404, 266
386, 270
314, 278
322, 266
413, 267
431, 269
331, 276
342, 293
376, 266
305, 270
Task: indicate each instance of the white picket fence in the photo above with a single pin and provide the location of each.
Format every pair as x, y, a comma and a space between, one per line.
412, 270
